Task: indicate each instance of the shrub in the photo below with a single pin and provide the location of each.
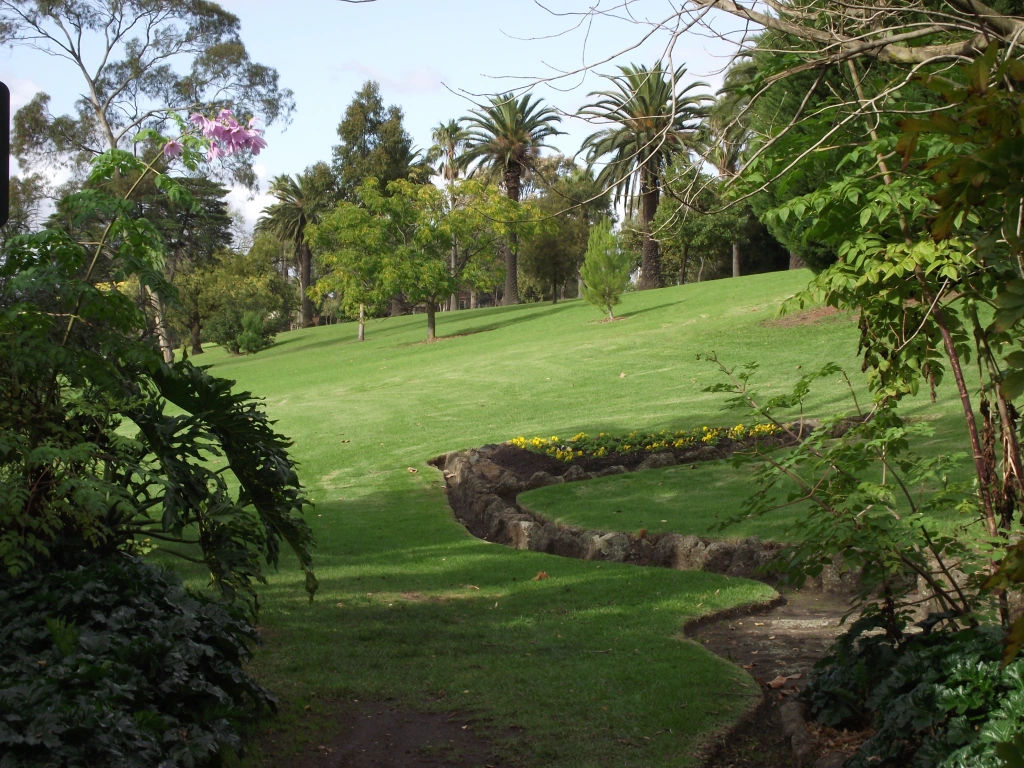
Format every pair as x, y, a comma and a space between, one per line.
605, 269
115, 663
254, 336
936, 699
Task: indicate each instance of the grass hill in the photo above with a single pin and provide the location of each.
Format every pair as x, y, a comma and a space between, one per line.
589, 663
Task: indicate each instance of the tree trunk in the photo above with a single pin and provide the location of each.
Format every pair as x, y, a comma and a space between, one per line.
431, 320
682, 268
453, 302
579, 285
554, 292
305, 273
362, 322
650, 271
513, 177
472, 299
735, 259
195, 332
396, 306
611, 315
795, 262
700, 272
163, 333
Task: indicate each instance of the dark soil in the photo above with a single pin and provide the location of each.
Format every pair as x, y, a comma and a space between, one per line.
351, 734
784, 641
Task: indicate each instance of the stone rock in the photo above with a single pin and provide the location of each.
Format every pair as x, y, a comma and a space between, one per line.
575, 473
793, 726
618, 469
541, 479
508, 484
689, 554
567, 544
744, 560
657, 461
641, 551
665, 550
590, 545
717, 557
834, 760
542, 537
706, 453
497, 520
613, 547
519, 533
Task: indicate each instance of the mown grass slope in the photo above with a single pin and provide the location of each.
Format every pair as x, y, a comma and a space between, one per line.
589, 662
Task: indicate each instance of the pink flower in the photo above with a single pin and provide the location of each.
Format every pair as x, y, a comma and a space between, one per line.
173, 149
228, 137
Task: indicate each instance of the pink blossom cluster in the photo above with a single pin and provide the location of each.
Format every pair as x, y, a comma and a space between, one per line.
227, 136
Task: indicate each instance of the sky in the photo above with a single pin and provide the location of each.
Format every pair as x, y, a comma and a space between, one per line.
435, 59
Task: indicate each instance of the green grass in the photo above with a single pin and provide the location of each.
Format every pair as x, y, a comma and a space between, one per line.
590, 662
691, 499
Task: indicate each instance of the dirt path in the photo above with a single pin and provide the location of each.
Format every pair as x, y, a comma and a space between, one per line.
782, 641
380, 734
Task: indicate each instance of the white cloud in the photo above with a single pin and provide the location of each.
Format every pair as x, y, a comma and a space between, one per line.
22, 90
407, 81
249, 205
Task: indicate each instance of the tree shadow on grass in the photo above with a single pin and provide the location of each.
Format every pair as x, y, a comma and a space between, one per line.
587, 659
652, 308
516, 318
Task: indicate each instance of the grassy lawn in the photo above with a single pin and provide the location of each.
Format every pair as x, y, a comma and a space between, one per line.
589, 662
690, 499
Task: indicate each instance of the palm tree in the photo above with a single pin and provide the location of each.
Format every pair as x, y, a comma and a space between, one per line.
449, 141
507, 136
300, 201
654, 119
446, 155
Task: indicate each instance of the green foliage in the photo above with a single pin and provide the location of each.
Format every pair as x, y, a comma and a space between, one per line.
605, 269
935, 699
374, 143
239, 285
253, 336
157, 61
114, 662
416, 240
573, 201
72, 481
872, 504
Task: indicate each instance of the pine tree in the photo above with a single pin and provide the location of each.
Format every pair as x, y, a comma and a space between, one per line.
605, 269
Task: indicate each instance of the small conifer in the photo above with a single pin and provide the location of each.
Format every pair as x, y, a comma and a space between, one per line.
605, 269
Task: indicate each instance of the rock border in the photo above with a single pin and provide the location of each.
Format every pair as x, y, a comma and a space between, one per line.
483, 495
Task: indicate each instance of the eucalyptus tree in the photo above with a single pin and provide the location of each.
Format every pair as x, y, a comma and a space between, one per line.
139, 62
374, 143
300, 202
653, 117
507, 136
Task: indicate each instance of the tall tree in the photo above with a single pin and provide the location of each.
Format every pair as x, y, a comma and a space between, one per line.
374, 143
155, 58
300, 202
506, 136
654, 117
572, 201
446, 156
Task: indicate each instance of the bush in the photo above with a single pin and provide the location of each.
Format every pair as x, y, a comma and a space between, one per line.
254, 336
936, 699
605, 269
115, 663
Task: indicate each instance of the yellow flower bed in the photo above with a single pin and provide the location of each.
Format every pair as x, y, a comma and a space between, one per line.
597, 446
